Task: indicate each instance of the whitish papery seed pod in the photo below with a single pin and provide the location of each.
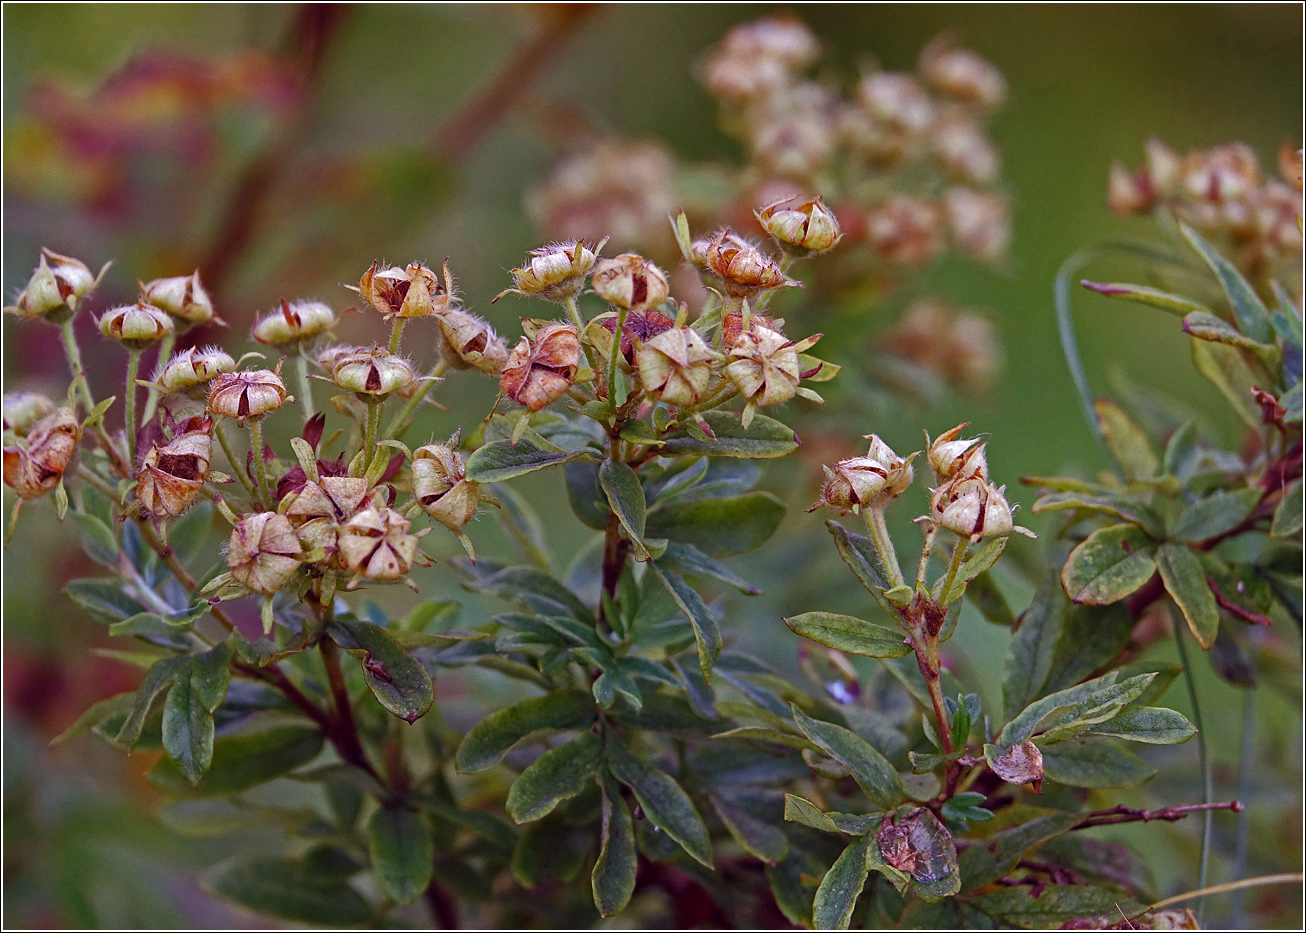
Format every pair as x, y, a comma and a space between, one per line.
292, 322
743, 269
472, 341
896, 101
35, 469
263, 552
961, 74
905, 230
851, 485
675, 367
555, 272
952, 456
22, 410
440, 484
764, 366
192, 368
172, 476
182, 296
897, 470
318, 508
57, 282
540, 371
413, 291
630, 281
246, 394
375, 543
373, 372
136, 326
802, 226
972, 507
979, 223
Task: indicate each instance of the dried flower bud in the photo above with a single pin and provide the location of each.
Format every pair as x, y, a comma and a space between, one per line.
979, 223
57, 282
1128, 191
676, 367
293, 321
797, 145
194, 367
764, 366
263, 553
246, 394
441, 485
898, 472
375, 543
1020, 764
732, 325
34, 470
1290, 164
1162, 166
413, 291
964, 152
904, 230
962, 74
630, 281
783, 38
22, 410
757, 59
739, 79
953, 457
555, 272
136, 326
372, 371
182, 296
960, 347
643, 326
972, 506
807, 227
852, 485
539, 371
318, 508
896, 101
473, 342
742, 267
172, 476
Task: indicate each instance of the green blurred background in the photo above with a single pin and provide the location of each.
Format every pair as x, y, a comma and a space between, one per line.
361, 179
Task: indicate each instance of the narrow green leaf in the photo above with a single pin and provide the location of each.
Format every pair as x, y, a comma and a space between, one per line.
187, 731
978, 562
490, 739
1252, 316
626, 498
1185, 581
501, 460
1149, 724
1175, 304
1090, 638
755, 836
103, 599
687, 559
1056, 905
801, 810
98, 713
613, 878
984, 595
157, 679
402, 851
284, 888
587, 498
1287, 521
663, 801
707, 634
397, 679
97, 539
842, 885
1094, 763
559, 773
1099, 690
1215, 514
1226, 369
1029, 659
859, 554
243, 761
764, 439
873, 773
1127, 442
1206, 326
850, 634
1108, 565
719, 527
1124, 507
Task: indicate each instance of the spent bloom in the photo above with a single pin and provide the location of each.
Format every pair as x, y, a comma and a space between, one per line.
743, 269
246, 394
57, 282
540, 371
293, 321
979, 223
807, 227
630, 281
865, 482
472, 341
440, 484
191, 368
972, 506
182, 296
413, 291
319, 507
764, 366
555, 272
372, 371
263, 552
172, 476
961, 74
375, 544
35, 469
675, 366
136, 326
955, 457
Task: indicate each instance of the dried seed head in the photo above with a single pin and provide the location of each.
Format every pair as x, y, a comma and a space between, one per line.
539, 371
763, 366
136, 326
961, 74
958, 346
896, 102
1290, 164
905, 230
293, 321
979, 223
191, 368
675, 367
318, 508
182, 296
246, 394
898, 472
953, 457
413, 291
972, 507
806, 226
372, 371
851, 485
375, 543
783, 38
263, 552
756, 60
743, 269
630, 281
22, 410
732, 325
34, 470
964, 151
440, 484
1219, 175
796, 145
473, 342
555, 272
57, 282
639, 325
1128, 191
172, 476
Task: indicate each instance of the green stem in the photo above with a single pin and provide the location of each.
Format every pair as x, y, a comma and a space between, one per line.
371, 425
74, 354
305, 384
91, 478
236, 466
133, 368
397, 422
615, 352
954, 565
573, 313
923, 567
165, 353
1203, 757
260, 468
1242, 832
883, 545
396, 334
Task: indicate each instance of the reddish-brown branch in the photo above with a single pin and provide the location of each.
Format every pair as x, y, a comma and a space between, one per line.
442, 906
344, 730
1255, 618
1122, 814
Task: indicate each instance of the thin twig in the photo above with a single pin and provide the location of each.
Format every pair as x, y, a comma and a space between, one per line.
1172, 814
1260, 882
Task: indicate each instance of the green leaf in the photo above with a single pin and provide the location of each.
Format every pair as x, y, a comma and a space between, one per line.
755, 836
1149, 724
1108, 565
613, 878
719, 527
188, 711
789, 882
1292, 403
1175, 304
559, 773
103, 599
587, 499
1215, 514
974, 565
98, 713
988, 860
402, 851
801, 810
1127, 442
1029, 659
284, 888
1206, 326
489, 740
764, 439
1226, 369
397, 679
158, 678
850, 634
501, 460
872, 771
1126, 508
860, 555
1094, 692
535, 588
663, 801
687, 559
707, 634
1180, 447
1090, 638
1250, 312
626, 498
1185, 581
1056, 905
988, 600
98, 539
1287, 521
841, 886
243, 761
1094, 763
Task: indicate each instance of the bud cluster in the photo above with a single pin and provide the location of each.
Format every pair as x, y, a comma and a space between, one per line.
960, 347
965, 501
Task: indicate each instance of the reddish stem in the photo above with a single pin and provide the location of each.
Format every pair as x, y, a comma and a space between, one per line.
1122, 814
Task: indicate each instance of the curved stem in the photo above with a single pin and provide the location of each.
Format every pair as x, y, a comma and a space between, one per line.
1242, 832
954, 565
397, 422
883, 545
129, 419
260, 468
305, 384
371, 425
152, 397
74, 354
1208, 789
573, 314
614, 353
236, 466
923, 567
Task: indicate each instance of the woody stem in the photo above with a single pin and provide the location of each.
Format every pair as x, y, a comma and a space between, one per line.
236, 465
883, 545
260, 468
927, 659
133, 368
